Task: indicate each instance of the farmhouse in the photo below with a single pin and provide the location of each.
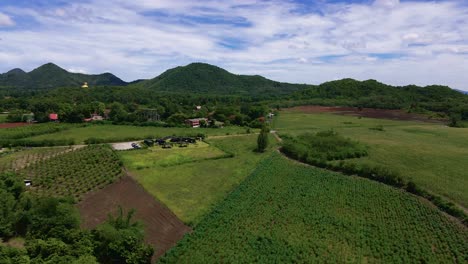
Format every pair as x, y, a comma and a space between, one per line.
53, 117
94, 117
196, 122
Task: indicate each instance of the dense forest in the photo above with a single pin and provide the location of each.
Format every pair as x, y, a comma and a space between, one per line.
225, 97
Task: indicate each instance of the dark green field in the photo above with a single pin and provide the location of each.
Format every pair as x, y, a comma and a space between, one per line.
290, 213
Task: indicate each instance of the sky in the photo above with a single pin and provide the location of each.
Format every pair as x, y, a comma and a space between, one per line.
303, 41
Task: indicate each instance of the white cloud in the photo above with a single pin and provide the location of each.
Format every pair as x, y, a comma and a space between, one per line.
5, 20
386, 40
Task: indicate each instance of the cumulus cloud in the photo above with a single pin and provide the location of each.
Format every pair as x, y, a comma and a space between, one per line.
5, 20
393, 41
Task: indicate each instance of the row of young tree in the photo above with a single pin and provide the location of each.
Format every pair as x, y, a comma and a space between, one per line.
51, 230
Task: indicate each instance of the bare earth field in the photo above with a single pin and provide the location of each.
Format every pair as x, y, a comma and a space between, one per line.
11, 125
364, 112
162, 228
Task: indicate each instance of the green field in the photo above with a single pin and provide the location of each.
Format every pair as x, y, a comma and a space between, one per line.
34, 130
191, 189
20, 158
116, 133
433, 155
156, 157
3, 118
73, 173
290, 213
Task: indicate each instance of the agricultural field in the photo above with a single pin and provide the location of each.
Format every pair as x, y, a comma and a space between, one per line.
192, 189
156, 157
33, 130
286, 212
3, 118
74, 173
431, 154
116, 133
13, 160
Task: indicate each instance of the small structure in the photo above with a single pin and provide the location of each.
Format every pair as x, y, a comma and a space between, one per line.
53, 117
85, 85
196, 122
198, 107
27, 183
94, 117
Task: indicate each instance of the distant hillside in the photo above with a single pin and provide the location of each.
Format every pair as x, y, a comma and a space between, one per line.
50, 76
372, 93
204, 78
463, 92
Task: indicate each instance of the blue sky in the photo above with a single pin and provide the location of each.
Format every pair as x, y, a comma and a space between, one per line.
394, 41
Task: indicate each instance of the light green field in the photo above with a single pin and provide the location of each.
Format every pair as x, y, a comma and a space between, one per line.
433, 155
192, 189
116, 133
155, 157
3, 118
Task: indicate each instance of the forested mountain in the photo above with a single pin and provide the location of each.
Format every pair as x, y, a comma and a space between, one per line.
49, 76
202, 78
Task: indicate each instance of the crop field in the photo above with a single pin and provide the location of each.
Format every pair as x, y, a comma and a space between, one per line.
74, 173
21, 158
285, 212
3, 118
192, 189
33, 130
431, 154
116, 133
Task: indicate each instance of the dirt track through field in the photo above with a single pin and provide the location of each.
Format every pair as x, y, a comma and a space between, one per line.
162, 227
391, 114
12, 125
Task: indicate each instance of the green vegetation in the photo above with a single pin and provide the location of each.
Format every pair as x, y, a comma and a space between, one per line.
74, 173
50, 227
16, 159
204, 78
323, 146
33, 130
431, 155
157, 157
118, 133
285, 212
192, 189
262, 140
50, 76
3, 118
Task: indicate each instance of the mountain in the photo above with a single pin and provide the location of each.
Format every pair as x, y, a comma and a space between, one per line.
202, 78
49, 76
463, 92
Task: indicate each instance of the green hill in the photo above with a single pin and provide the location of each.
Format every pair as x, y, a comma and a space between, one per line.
204, 78
49, 76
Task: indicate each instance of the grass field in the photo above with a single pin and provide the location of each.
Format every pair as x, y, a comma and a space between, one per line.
433, 155
155, 157
191, 189
290, 213
116, 133
3, 118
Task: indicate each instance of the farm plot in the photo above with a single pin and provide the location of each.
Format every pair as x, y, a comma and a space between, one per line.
14, 160
191, 189
157, 157
33, 130
431, 155
74, 173
285, 212
119, 133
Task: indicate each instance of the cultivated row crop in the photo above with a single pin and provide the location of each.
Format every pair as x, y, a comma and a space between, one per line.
74, 173
290, 213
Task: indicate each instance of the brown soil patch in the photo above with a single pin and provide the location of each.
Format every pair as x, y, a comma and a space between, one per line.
365, 112
162, 227
11, 125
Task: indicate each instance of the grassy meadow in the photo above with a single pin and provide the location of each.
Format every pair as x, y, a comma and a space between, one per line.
286, 212
3, 118
116, 133
192, 189
431, 154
